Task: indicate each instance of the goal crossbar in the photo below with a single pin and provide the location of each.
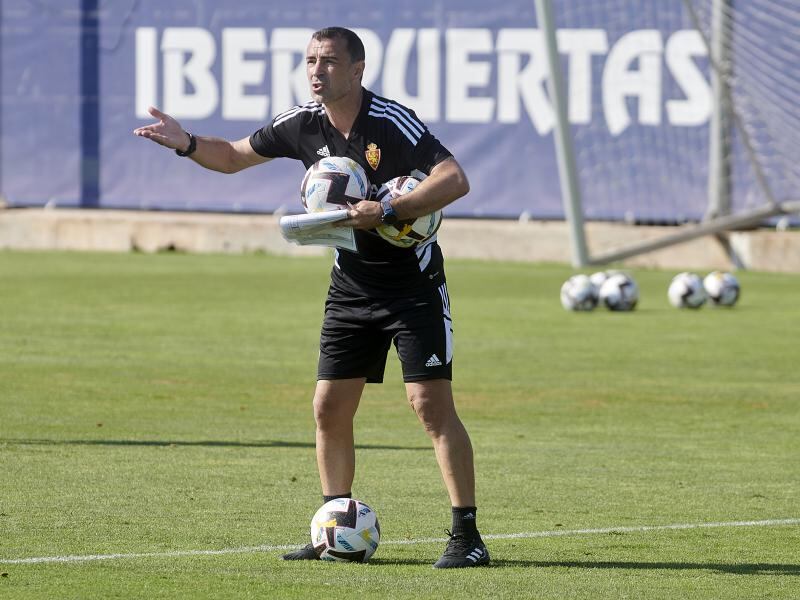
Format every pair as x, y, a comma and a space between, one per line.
746, 220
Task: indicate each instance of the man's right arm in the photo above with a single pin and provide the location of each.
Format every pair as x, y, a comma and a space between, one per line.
216, 154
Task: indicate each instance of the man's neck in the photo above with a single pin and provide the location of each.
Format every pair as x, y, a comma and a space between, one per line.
343, 113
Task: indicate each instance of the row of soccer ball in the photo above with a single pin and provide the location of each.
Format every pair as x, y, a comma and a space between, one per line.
619, 291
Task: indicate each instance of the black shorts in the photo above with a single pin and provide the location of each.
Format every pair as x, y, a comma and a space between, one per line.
357, 333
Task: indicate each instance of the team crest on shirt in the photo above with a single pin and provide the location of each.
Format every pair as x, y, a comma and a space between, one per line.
373, 154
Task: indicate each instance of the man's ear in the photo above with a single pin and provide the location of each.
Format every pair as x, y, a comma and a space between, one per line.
359, 69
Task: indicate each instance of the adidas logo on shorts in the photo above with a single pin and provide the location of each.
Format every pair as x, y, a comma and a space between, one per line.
433, 361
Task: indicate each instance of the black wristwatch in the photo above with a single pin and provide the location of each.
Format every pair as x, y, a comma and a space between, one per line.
389, 217
192, 146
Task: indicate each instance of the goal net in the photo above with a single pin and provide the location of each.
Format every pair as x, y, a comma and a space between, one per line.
682, 112
755, 47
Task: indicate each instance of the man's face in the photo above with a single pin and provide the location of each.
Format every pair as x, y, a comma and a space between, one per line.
331, 74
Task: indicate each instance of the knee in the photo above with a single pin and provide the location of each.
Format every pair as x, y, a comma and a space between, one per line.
325, 413
434, 415
329, 414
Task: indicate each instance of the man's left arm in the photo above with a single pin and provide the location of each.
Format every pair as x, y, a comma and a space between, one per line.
446, 183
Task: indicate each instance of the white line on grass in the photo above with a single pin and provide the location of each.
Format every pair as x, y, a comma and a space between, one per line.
497, 536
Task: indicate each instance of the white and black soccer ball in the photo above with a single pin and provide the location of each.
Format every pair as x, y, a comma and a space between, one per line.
406, 233
330, 183
686, 291
578, 293
345, 530
722, 288
619, 292
598, 278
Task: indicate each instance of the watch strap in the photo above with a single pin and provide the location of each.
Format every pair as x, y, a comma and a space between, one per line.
389, 215
192, 146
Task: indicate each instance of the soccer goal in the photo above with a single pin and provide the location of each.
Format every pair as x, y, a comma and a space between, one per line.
699, 126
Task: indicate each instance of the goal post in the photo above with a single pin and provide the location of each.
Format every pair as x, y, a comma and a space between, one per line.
748, 173
719, 190
565, 154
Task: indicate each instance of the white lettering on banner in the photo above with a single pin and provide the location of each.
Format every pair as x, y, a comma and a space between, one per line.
146, 70
580, 45
199, 45
238, 72
485, 80
514, 82
696, 108
429, 71
463, 74
619, 82
289, 84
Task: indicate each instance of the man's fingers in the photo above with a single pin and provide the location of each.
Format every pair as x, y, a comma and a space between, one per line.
148, 133
155, 137
156, 113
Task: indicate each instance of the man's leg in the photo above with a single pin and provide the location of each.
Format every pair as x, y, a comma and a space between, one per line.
433, 402
335, 404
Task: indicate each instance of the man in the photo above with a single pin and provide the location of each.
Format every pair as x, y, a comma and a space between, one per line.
379, 293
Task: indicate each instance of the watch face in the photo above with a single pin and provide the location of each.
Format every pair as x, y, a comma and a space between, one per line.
388, 215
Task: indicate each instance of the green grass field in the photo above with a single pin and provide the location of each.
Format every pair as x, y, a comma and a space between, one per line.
152, 406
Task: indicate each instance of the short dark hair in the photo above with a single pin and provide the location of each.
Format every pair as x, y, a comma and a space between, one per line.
355, 46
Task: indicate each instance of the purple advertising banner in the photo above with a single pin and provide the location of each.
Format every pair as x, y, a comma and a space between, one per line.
78, 76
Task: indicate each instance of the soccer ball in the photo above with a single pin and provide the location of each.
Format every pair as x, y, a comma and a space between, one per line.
345, 530
598, 278
578, 293
619, 292
408, 232
722, 288
330, 183
686, 291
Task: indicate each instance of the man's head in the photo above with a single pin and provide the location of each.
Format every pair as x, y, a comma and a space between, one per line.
334, 64
353, 43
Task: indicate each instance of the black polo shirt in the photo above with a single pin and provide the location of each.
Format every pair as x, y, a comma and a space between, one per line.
387, 140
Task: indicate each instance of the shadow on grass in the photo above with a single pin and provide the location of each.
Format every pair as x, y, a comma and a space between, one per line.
735, 569
201, 443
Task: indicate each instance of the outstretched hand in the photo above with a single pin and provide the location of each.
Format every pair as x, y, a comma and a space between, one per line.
167, 131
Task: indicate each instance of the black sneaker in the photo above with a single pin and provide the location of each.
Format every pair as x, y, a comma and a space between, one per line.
305, 553
463, 552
